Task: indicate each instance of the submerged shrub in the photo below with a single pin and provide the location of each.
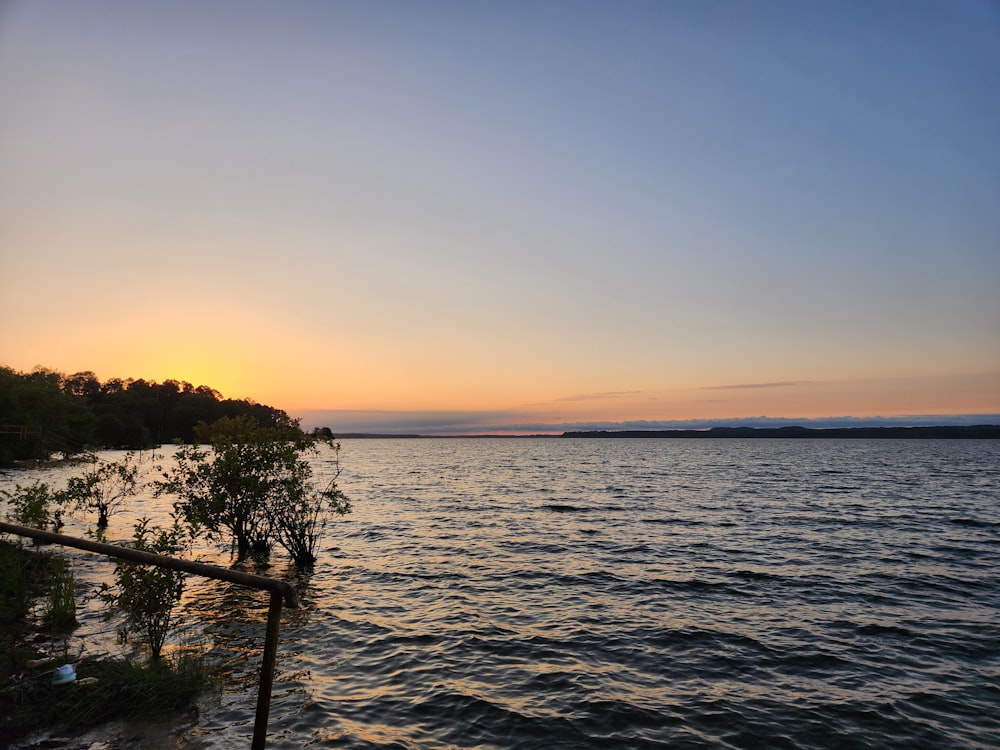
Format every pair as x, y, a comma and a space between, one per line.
254, 488
104, 488
224, 494
145, 595
32, 505
300, 519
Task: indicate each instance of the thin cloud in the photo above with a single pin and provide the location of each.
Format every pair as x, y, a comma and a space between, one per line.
776, 384
599, 396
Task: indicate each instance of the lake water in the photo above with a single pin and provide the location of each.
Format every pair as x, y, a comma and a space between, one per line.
586, 593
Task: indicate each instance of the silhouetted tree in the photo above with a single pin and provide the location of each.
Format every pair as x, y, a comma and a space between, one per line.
71, 414
104, 488
253, 488
49, 420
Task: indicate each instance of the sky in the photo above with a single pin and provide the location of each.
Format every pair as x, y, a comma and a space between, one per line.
455, 217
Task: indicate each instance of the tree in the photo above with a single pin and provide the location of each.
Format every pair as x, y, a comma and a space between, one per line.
104, 488
82, 384
253, 487
45, 412
46, 419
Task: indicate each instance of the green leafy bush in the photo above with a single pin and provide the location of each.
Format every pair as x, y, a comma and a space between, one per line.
254, 489
31, 505
104, 488
145, 595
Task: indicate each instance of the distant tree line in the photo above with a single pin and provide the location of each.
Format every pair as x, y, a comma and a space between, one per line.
45, 412
981, 431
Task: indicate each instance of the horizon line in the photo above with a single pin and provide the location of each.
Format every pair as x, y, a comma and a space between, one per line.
473, 424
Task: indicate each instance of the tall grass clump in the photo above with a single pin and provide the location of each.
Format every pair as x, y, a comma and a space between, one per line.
61, 609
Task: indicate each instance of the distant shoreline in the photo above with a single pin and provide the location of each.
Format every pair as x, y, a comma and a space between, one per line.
963, 432
971, 432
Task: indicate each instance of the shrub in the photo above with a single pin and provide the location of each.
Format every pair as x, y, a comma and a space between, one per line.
104, 488
145, 595
225, 494
254, 488
300, 519
32, 505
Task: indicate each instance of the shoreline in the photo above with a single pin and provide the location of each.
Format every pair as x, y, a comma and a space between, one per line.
972, 432
925, 432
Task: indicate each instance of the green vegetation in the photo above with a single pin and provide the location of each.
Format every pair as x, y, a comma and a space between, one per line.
61, 610
22, 574
145, 595
27, 575
45, 412
31, 505
52, 418
104, 488
119, 688
253, 488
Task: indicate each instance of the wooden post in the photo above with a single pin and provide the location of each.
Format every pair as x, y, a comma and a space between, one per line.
267, 671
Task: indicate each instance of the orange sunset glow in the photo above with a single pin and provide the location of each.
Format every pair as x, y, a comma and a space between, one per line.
620, 223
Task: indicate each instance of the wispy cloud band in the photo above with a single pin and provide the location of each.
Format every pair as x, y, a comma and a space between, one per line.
740, 386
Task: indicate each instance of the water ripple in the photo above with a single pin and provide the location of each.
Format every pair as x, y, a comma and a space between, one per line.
634, 594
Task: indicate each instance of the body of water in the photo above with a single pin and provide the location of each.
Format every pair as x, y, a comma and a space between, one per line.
588, 593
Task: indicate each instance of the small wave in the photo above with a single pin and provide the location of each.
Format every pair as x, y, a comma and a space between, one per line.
675, 521
975, 523
564, 508
878, 630
754, 575
690, 585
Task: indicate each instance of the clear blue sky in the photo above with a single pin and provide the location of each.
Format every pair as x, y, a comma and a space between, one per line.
476, 214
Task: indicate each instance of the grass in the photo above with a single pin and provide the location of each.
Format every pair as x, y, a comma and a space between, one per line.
123, 689
22, 575
61, 610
